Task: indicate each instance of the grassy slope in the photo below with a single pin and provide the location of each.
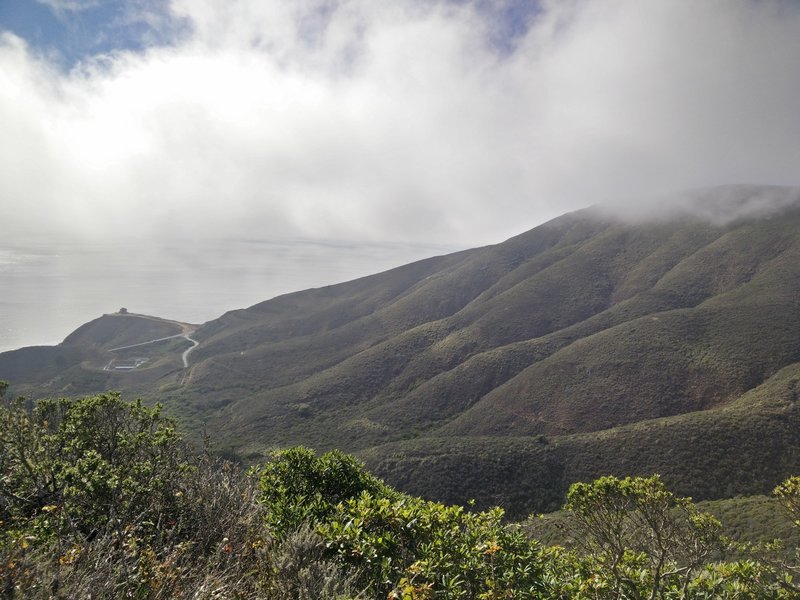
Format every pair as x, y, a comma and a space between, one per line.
583, 346
530, 385
580, 325
745, 447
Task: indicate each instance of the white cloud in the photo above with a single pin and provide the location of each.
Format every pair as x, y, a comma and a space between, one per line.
368, 120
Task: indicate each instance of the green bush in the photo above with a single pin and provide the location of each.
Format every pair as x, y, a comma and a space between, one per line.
87, 464
296, 487
408, 548
100, 498
400, 546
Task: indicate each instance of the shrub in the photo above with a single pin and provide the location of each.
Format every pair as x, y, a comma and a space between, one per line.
296, 487
409, 548
100, 497
82, 465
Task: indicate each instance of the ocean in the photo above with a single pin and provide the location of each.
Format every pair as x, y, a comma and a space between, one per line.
49, 290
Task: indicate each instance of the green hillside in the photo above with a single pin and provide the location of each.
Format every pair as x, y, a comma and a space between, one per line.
588, 345
743, 448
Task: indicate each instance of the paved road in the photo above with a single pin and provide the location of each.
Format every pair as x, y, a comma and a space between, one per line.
169, 337
185, 355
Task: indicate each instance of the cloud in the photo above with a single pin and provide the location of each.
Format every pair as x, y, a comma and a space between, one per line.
718, 205
403, 121
66, 6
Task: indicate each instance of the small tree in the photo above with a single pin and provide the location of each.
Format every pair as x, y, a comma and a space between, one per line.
789, 493
641, 534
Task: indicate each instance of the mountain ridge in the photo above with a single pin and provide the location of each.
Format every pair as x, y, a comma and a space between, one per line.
544, 349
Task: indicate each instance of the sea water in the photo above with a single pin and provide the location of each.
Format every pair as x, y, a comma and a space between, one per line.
48, 290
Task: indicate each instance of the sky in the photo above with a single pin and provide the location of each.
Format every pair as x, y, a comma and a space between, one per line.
428, 122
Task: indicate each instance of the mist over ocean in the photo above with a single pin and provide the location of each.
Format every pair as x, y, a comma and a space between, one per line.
47, 291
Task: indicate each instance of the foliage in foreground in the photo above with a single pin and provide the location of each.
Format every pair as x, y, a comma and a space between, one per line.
101, 498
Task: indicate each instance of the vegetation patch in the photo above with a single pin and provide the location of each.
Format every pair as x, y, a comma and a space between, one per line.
101, 498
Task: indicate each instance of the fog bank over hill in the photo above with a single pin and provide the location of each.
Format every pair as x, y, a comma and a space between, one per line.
403, 121
717, 205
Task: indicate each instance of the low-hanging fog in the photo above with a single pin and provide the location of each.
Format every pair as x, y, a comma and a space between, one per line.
416, 120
